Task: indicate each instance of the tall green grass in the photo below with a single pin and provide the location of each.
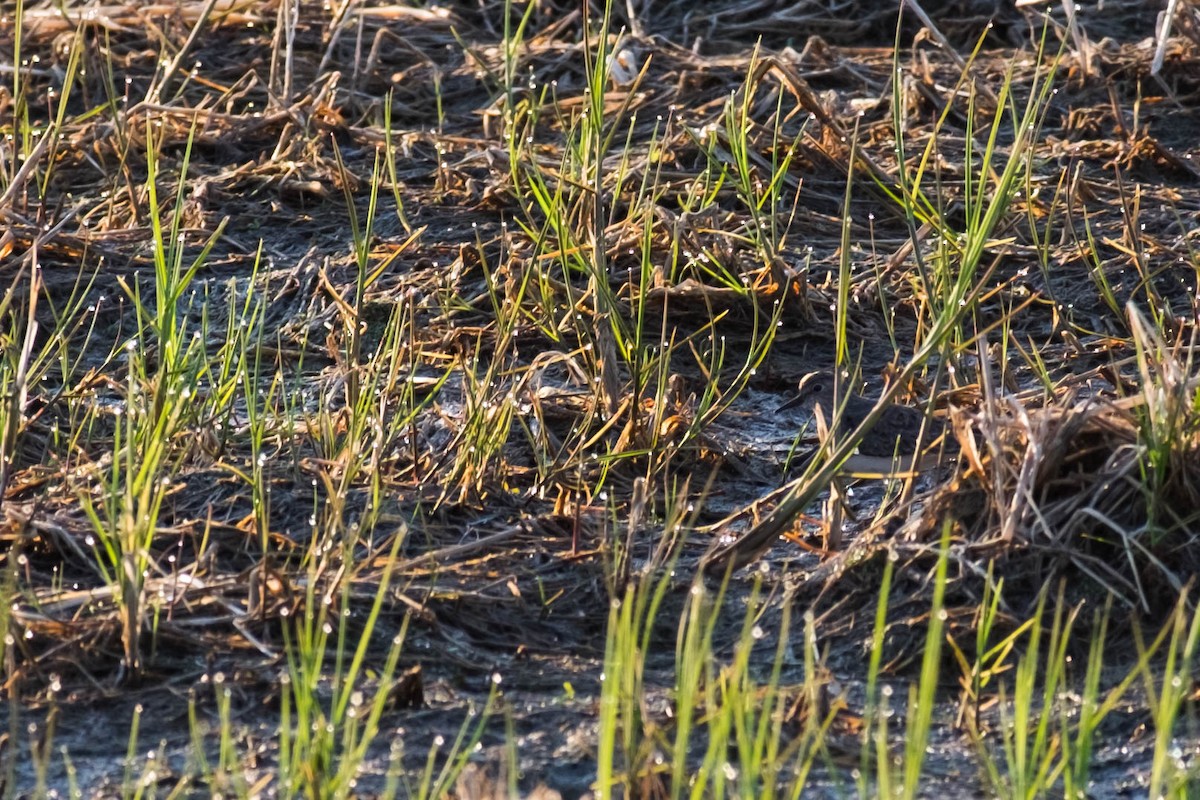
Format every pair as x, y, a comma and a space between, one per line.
164, 361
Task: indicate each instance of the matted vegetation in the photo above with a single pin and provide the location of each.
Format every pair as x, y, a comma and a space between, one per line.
388, 402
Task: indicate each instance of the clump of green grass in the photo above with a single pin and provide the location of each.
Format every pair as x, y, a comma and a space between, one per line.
733, 732
165, 360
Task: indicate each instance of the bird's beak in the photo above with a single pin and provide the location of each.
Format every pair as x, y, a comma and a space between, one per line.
795, 401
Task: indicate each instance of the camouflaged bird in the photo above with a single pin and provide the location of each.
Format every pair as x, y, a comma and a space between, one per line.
896, 432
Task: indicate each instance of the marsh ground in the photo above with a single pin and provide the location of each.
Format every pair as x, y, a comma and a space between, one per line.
440, 328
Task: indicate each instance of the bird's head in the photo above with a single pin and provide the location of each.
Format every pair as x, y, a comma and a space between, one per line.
815, 387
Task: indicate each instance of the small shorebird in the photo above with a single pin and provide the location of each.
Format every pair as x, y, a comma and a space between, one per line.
896, 433
889, 447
